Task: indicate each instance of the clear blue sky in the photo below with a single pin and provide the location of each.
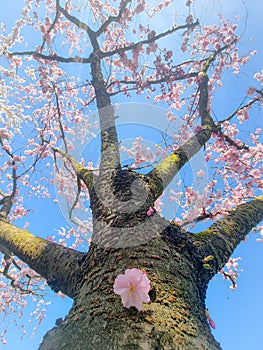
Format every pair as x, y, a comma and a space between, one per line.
237, 314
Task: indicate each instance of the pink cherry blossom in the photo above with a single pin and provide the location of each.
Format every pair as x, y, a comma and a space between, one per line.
251, 90
133, 287
212, 323
209, 319
150, 211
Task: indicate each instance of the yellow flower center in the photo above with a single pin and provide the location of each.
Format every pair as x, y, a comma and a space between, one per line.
131, 289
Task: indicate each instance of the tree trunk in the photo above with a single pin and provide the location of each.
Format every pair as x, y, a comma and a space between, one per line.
175, 319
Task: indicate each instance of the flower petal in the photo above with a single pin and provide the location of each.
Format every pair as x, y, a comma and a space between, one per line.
133, 287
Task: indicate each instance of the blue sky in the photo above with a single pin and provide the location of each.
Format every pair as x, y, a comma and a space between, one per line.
237, 314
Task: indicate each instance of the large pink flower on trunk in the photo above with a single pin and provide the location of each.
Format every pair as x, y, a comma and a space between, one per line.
133, 287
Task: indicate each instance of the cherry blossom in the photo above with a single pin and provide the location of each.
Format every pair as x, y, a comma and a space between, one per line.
209, 319
231, 271
150, 212
133, 287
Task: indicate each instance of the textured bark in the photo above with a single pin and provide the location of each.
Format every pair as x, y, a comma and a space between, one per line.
110, 157
175, 319
174, 261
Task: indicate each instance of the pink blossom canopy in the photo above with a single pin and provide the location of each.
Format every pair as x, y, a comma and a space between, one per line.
133, 287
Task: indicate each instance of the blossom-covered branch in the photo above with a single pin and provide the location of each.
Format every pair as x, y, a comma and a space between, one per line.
7, 200
51, 57
81, 25
244, 107
111, 19
151, 39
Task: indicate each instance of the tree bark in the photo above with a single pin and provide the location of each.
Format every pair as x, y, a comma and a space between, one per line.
175, 319
174, 260
175, 263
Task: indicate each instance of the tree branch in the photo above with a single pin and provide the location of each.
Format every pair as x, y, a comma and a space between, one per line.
113, 18
220, 239
232, 142
17, 284
169, 167
8, 200
83, 26
241, 107
52, 25
147, 41
148, 82
84, 174
54, 57
110, 156
59, 265
59, 120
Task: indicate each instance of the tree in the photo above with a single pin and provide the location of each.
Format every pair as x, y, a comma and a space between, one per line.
44, 99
